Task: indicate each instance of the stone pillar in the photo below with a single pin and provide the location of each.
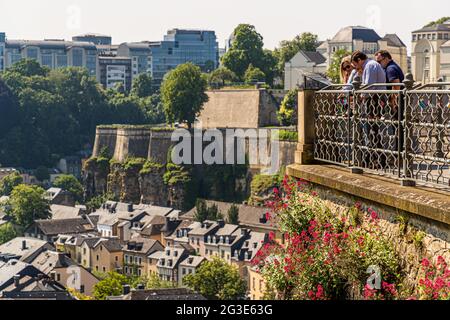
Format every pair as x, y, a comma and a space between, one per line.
306, 129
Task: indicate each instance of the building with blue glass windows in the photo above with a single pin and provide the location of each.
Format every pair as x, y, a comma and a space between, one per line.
51, 53
2, 50
179, 46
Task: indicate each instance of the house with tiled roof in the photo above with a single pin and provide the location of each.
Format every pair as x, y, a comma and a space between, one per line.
107, 255
367, 40
59, 267
135, 255
171, 294
23, 249
49, 230
189, 266
22, 281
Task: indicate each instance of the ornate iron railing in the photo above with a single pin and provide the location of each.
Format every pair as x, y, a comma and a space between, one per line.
396, 130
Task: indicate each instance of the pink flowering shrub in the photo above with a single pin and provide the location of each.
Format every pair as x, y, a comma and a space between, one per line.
325, 255
435, 284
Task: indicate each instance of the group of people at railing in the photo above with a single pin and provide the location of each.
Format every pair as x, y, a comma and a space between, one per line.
382, 70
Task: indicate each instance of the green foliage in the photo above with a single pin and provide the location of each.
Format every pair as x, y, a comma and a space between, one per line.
50, 114
233, 215
28, 68
71, 184
176, 174
222, 76
217, 279
7, 233
289, 48
203, 212
8, 183
151, 166
287, 115
334, 71
142, 86
286, 135
155, 282
439, 21
112, 285
247, 49
26, 204
253, 75
41, 173
133, 164
96, 202
183, 94
418, 238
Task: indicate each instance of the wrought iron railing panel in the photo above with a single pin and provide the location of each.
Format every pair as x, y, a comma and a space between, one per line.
428, 134
387, 129
332, 126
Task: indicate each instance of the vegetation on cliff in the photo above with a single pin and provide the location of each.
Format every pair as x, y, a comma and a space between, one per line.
48, 114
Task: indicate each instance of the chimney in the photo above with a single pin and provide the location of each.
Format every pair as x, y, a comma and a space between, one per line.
263, 218
126, 289
140, 287
24, 244
130, 207
17, 280
221, 223
53, 275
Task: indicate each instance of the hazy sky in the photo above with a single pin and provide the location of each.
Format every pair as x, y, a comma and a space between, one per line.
276, 20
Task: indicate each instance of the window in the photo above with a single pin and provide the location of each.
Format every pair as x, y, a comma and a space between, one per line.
82, 288
77, 57
139, 272
117, 258
445, 36
104, 269
98, 257
58, 277
96, 268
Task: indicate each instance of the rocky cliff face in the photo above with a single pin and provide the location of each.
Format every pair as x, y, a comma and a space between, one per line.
152, 187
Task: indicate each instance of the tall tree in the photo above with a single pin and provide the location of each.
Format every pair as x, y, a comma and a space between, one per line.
233, 215
221, 76
201, 211
7, 233
8, 183
289, 48
247, 49
71, 184
217, 279
26, 204
142, 86
253, 75
183, 94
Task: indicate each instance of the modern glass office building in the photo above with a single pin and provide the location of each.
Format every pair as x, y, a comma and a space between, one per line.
2, 50
180, 46
52, 53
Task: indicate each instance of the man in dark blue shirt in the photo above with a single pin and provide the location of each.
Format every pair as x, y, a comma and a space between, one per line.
394, 73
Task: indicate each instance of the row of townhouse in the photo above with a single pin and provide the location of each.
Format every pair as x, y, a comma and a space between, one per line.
39, 260
141, 240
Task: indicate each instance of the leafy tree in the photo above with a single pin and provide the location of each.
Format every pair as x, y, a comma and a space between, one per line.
41, 173
439, 21
289, 48
247, 49
221, 76
153, 109
253, 75
183, 93
112, 285
142, 86
209, 66
28, 68
233, 215
8, 183
217, 279
7, 233
334, 71
71, 184
155, 282
287, 113
26, 204
8, 109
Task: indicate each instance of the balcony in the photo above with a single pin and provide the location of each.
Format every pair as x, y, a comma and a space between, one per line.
388, 148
